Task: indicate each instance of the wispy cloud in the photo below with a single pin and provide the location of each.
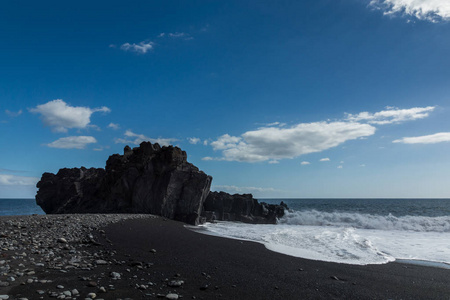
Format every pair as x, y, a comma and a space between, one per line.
176, 35
6, 179
136, 139
141, 48
426, 139
13, 114
73, 142
392, 115
305, 163
60, 116
114, 126
430, 10
194, 140
324, 159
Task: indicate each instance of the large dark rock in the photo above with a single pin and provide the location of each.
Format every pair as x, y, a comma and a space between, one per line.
222, 206
146, 179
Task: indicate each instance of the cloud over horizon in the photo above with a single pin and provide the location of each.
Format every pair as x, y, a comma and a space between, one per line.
60, 116
429, 10
241, 189
7, 179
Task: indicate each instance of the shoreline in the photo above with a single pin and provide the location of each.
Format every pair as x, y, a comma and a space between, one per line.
417, 262
153, 255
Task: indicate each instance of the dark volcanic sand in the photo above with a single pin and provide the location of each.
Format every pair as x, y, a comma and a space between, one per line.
218, 268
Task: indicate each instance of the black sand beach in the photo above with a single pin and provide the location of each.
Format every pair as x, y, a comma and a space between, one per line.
153, 255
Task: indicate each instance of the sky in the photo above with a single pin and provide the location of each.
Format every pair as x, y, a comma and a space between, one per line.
281, 99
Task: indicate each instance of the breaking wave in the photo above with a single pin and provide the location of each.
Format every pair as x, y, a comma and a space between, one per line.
367, 221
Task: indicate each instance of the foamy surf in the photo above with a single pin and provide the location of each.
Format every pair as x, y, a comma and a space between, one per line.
349, 238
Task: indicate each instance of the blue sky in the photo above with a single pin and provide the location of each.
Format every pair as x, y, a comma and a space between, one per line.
276, 98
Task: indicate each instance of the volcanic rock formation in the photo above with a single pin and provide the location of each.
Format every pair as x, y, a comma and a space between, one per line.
148, 179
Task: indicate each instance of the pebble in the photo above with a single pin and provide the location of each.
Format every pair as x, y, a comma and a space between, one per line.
62, 240
91, 295
92, 284
172, 296
175, 283
4, 297
114, 275
101, 262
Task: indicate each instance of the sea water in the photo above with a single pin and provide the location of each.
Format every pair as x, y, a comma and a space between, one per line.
13, 207
354, 231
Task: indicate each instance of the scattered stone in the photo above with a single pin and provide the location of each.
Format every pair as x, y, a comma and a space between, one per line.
4, 297
175, 283
153, 250
91, 295
101, 262
102, 289
172, 296
114, 275
335, 278
60, 287
204, 287
92, 284
62, 240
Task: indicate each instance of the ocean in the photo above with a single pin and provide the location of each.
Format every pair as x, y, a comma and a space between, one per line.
351, 231
354, 231
16, 207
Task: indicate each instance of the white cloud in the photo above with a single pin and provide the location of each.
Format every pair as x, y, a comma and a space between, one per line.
73, 142
273, 162
305, 163
142, 48
324, 159
205, 143
13, 114
392, 115
275, 143
426, 139
60, 116
6, 179
136, 139
194, 140
340, 167
177, 34
114, 126
430, 10
207, 158
241, 189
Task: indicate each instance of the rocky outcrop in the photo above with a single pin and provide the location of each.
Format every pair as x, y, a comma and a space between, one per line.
146, 179
221, 206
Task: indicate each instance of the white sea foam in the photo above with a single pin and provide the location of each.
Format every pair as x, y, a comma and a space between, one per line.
348, 237
367, 221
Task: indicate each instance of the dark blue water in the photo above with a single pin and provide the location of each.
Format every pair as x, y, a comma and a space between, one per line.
13, 207
383, 207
